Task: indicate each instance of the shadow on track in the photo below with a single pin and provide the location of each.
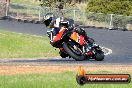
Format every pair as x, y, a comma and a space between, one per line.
47, 61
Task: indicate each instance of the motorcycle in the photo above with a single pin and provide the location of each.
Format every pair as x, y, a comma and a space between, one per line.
71, 43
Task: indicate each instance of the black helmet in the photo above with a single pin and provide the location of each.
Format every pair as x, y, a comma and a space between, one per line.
48, 18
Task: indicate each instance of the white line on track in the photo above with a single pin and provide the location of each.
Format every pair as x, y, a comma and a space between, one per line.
109, 50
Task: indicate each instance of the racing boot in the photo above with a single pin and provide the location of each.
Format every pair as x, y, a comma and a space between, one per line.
88, 51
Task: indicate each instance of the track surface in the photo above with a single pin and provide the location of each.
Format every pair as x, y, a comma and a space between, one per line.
119, 41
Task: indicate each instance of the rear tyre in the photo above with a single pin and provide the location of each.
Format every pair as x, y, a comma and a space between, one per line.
73, 54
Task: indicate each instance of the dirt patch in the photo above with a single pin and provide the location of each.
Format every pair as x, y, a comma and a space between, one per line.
12, 70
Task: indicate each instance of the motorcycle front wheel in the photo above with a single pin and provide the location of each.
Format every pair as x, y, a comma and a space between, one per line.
99, 54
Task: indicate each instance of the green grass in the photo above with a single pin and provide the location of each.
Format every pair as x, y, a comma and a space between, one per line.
30, 2
52, 80
13, 45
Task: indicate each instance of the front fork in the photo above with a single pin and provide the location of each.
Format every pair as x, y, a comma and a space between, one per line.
89, 49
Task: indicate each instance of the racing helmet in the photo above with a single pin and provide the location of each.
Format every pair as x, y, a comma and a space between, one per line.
48, 18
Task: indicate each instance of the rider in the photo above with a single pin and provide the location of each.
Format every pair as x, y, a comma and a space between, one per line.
53, 24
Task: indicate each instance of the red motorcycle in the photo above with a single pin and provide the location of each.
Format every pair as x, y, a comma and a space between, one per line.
71, 43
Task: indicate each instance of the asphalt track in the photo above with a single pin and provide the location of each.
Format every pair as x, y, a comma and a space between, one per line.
119, 41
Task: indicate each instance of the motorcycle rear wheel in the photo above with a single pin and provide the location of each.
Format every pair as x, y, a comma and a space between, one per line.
74, 55
63, 55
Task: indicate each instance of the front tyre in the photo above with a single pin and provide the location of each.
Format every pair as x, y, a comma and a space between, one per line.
70, 52
99, 55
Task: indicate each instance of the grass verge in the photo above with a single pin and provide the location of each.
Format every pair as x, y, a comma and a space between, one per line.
14, 45
30, 2
52, 80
